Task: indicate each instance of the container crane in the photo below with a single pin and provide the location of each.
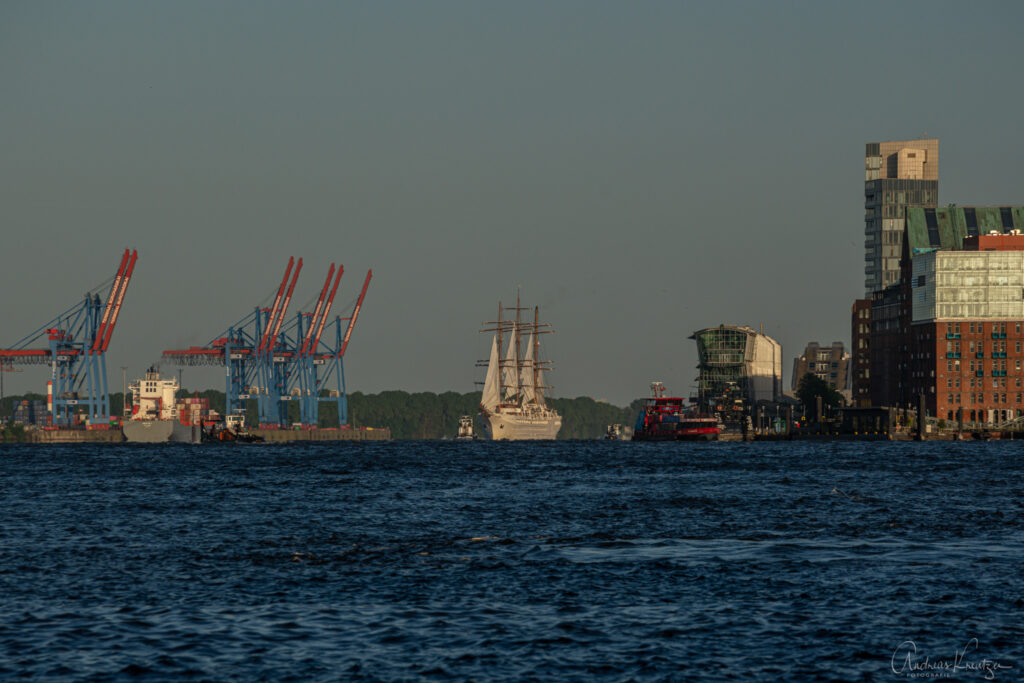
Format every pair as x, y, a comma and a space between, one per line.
276, 361
75, 345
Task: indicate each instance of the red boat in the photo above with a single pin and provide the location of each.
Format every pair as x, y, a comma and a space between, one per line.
666, 418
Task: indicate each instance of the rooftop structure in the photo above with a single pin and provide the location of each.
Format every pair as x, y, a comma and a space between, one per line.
930, 229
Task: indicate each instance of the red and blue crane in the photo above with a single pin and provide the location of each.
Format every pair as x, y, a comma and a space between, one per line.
276, 360
74, 344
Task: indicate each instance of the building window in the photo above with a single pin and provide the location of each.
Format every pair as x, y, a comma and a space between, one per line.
1007, 217
971, 219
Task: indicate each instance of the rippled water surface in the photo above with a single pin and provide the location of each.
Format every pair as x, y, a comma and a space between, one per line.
574, 560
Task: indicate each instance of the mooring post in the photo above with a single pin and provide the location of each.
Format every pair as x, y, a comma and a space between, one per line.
920, 418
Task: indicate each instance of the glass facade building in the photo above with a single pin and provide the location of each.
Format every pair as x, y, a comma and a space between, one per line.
897, 174
731, 356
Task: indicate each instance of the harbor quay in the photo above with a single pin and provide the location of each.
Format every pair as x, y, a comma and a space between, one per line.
75, 435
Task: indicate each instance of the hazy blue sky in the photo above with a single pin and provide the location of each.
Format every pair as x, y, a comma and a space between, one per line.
642, 169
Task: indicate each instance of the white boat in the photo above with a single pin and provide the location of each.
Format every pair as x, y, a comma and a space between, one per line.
466, 428
513, 406
154, 417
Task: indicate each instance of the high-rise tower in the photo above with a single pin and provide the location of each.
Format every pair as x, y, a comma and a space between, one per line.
897, 174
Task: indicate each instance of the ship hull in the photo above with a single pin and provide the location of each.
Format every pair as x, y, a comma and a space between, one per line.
698, 434
508, 426
161, 431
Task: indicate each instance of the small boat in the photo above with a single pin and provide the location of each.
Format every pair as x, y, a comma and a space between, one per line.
667, 418
614, 433
466, 428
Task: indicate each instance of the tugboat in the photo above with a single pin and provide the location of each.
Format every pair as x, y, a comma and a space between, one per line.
613, 433
666, 418
233, 429
466, 429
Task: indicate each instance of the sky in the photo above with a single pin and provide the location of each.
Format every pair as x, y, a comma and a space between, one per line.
638, 170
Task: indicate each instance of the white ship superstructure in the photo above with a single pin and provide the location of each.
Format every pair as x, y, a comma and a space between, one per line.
153, 398
154, 417
513, 405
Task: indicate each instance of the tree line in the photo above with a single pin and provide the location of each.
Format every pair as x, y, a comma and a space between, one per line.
421, 415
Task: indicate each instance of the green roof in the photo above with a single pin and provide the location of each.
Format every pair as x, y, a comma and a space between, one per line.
945, 228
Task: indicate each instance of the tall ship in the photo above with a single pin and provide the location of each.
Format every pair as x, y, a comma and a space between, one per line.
158, 417
513, 405
667, 418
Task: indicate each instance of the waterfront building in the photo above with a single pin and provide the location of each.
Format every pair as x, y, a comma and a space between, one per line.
830, 364
732, 357
888, 347
952, 330
897, 174
860, 356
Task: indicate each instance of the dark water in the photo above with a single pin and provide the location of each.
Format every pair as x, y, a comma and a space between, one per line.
579, 560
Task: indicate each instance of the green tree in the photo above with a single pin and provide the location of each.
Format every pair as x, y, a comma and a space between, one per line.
811, 387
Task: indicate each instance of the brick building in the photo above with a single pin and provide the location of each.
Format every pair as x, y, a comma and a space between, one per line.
952, 329
860, 353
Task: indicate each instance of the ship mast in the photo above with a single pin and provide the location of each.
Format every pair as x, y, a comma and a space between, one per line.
501, 375
536, 354
511, 362
519, 365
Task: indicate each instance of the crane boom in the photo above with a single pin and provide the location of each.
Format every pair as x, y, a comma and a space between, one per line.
316, 311
120, 299
323, 318
114, 287
277, 303
355, 313
284, 308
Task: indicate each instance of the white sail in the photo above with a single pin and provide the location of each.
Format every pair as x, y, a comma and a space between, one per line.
526, 374
539, 393
492, 385
509, 374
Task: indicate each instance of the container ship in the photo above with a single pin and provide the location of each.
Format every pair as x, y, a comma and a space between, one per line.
666, 418
158, 415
